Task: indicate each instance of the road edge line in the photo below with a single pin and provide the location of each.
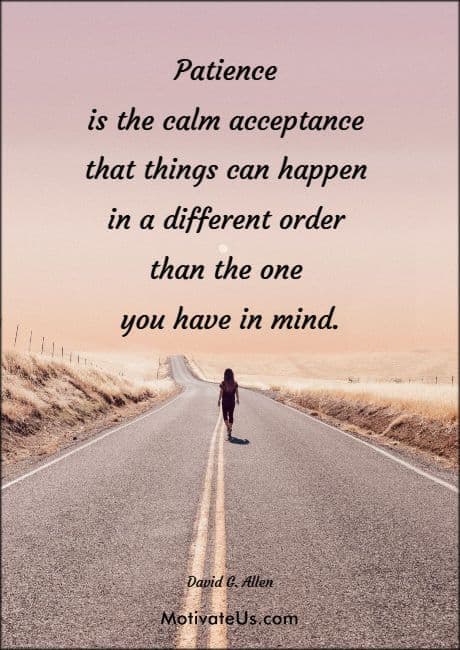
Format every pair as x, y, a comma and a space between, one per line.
402, 462
91, 442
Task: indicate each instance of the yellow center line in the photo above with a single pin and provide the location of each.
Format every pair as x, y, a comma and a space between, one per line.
186, 637
218, 633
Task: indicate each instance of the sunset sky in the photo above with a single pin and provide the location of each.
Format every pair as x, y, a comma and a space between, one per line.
390, 269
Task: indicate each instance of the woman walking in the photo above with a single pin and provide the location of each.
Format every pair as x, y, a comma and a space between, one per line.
228, 393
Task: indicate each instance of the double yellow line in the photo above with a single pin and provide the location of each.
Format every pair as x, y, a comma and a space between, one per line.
217, 638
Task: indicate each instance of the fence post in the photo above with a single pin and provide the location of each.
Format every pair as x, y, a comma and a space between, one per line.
16, 335
30, 341
452, 380
43, 344
436, 380
78, 358
53, 350
70, 357
62, 351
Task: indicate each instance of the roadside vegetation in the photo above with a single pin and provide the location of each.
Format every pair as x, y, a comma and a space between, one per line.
420, 416
47, 404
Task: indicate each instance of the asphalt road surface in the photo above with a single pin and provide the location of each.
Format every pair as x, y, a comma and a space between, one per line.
356, 549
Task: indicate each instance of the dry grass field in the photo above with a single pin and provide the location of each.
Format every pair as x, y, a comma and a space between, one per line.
46, 403
429, 400
267, 369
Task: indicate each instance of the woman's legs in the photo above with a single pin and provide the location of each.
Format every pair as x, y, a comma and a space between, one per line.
225, 415
230, 413
227, 410
231, 408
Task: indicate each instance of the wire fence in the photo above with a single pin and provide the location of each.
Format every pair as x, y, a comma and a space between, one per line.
26, 340
434, 379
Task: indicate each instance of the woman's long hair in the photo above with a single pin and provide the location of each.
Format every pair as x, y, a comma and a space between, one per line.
229, 379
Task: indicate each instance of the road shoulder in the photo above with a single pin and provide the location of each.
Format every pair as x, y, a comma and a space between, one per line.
70, 439
426, 461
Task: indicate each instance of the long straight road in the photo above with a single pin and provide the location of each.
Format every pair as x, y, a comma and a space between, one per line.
350, 548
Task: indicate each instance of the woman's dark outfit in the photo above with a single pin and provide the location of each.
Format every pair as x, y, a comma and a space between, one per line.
228, 401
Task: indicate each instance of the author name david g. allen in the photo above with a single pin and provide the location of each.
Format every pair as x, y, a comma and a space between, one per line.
230, 581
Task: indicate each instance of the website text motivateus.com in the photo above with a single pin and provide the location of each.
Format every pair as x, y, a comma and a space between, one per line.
239, 618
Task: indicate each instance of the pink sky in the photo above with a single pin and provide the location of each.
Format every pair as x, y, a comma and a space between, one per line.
391, 270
